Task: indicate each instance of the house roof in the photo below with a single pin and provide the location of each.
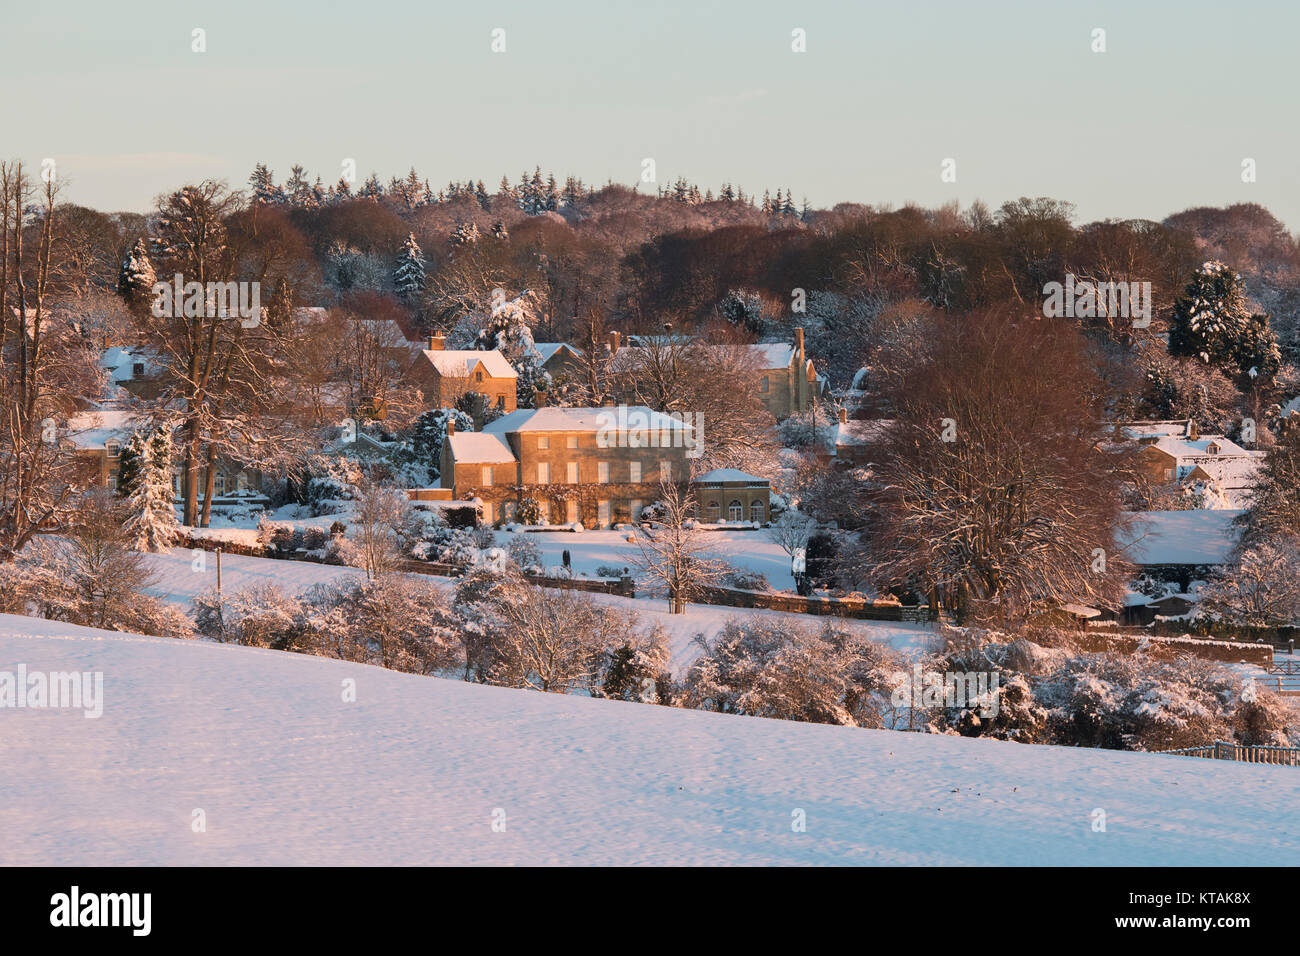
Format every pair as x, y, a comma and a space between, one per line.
547, 350
459, 363
774, 355
120, 362
731, 474
93, 429
1179, 537
1185, 448
479, 448
859, 431
556, 419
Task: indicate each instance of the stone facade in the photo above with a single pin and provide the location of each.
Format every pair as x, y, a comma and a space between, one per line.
446, 375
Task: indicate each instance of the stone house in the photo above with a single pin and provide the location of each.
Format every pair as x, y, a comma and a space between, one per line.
731, 495
599, 466
444, 375
1177, 453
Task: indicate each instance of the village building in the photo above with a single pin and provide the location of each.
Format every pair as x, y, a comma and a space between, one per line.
576, 463
1213, 466
445, 375
730, 495
787, 382
559, 359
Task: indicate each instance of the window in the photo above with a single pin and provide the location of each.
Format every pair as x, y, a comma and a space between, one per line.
1169, 474
571, 507
478, 376
602, 472
543, 442
602, 514
241, 481
544, 509
665, 471
137, 369
571, 470
487, 512
634, 509
571, 441
543, 472
114, 449
756, 512
766, 386
735, 510
634, 472
713, 512
485, 477
219, 485
501, 401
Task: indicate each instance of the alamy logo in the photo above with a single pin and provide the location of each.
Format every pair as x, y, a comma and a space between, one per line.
957, 690
1083, 299
75, 690
641, 428
191, 300
102, 909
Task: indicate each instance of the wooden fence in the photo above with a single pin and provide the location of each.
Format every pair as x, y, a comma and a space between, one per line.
1224, 750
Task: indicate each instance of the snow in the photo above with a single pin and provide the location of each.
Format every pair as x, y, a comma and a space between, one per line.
460, 363
95, 428
412, 772
555, 419
479, 448
730, 474
777, 355
180, 581
1179, 537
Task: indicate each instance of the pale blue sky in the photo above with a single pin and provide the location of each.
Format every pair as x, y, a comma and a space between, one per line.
711, 91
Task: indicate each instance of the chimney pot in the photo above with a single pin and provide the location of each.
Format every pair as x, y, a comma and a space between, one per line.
844, 416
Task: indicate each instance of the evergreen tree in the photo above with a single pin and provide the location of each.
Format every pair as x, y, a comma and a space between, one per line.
1213, 323
133, 458
152, 523
1275, 502
408, 276
430, 431
265, 191
481, 195
279, 310
136, 279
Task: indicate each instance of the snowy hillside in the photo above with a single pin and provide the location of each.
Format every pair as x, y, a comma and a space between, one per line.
414, 770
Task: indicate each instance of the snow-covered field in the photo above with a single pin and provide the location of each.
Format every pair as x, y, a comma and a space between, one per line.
417, 770
179, 583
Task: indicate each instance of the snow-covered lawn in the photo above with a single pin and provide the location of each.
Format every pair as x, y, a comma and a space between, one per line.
591, 549
417, 769
179, 583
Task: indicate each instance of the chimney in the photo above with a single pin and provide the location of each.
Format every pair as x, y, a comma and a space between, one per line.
539, 397
798, 342
436, 343
613, 343
844, 416
1193, 432
451, 426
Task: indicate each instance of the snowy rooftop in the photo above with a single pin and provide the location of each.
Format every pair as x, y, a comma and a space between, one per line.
731, 474
775, 354
120, 362
1179, 537
1206, 445
555, 419
460, 363
95, 428
480, 448
547, 350
859, 431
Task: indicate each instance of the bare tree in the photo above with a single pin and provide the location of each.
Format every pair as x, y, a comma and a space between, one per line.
672, 550
992, 492
376, 526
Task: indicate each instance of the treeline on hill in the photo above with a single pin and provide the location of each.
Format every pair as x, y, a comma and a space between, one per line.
991, 488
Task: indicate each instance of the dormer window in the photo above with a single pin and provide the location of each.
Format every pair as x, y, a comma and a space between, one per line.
1212, 448
114, 448
478, 375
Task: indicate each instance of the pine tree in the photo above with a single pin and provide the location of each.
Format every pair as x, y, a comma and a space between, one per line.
1275, 501
280, 309
408, 276
1212, 322
429, 431
132, 459
136, 279
152, 523
480, 194
265, 191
